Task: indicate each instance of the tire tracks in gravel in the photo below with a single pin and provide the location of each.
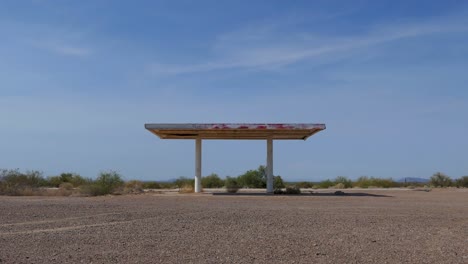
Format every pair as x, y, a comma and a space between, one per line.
58, 220
69, 228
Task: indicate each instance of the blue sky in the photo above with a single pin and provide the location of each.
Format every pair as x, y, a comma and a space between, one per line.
79, 79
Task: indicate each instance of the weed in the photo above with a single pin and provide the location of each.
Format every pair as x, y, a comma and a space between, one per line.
187, 188
231, 184
292, 189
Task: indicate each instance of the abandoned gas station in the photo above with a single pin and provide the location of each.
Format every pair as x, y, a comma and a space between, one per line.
268, 132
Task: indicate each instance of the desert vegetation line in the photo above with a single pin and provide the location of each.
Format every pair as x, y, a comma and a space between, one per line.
15, 182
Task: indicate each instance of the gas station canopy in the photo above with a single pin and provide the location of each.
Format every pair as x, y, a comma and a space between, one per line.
234, 131
268, 132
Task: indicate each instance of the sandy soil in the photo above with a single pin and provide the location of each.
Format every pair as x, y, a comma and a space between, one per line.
365, 226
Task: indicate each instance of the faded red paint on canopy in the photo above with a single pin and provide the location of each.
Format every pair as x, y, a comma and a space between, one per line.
234, 131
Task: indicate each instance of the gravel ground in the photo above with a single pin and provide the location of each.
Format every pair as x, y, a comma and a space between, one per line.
387, 226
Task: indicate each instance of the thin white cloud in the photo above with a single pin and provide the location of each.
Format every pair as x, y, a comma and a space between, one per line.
262, 48
69, 50
61, 41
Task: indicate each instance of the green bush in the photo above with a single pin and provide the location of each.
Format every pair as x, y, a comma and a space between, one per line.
326, 184
167, 185
93, 189
66, 186
133, 187
346, 183
106, 183
75, 179
462, 182
305, 185
182, 181
292, 189
278, 182
363, 182
78, 180
109, 180
231, 184
187, 188
14, 182
253, 178
339, 186
440, 180
54, 181
151, 185
366, 182
212, 181
384, 183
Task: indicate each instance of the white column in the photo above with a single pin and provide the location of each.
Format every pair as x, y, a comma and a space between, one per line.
198, 165
269, 168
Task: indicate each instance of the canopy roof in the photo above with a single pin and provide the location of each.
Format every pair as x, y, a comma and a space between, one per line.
234, 131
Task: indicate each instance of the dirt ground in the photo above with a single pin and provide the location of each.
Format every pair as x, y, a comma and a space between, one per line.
364, 226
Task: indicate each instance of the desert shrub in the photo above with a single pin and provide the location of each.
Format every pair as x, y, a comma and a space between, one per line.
54, 181
133, 187
440, 180
231, 184
185, 185
182, 181
168, 185
212, 181
339, 186
30, 178
278, 182
326, 184
151, 185
292, 189
27, 191
78, 180
92, 189
109, 180
366, 182
72, 178
187, 188
66, 186
384, 183
14, 182
363, 182
65, 189
253, 178
106, 183
304, 184
462, 182
343, 182
278, 191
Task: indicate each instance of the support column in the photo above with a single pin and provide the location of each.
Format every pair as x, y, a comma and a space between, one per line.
198, 165
269, 168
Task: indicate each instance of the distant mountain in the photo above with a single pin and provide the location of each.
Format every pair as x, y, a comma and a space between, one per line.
414, 179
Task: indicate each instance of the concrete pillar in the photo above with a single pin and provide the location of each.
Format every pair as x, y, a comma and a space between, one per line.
269, 167
198, 165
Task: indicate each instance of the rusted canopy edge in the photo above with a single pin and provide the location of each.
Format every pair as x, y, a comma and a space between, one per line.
234, 131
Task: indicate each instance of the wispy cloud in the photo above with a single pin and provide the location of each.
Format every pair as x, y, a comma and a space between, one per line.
55, 39
67, 50
265, 48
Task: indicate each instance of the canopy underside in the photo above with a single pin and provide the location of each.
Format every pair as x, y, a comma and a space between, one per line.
234, 131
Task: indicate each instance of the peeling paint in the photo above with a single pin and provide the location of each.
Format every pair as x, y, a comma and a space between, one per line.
234, 130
